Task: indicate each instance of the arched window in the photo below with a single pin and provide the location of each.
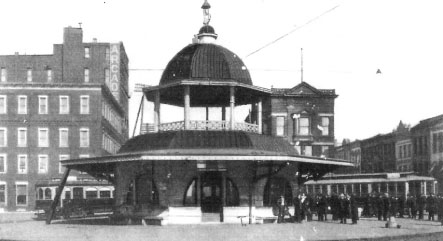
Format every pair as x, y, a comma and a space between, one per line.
40, 194
190, 198
274, 188
48, 193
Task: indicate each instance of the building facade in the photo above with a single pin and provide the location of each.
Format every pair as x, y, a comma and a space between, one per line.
304, 116
69, 104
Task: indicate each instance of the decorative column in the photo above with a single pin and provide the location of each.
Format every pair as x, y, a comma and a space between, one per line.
157, 111
259, 116
406, 188
223, 196
187, 107
369, 188
424, 188
232, 106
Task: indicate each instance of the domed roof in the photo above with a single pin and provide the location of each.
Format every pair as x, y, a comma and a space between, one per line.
208, 143
206, 62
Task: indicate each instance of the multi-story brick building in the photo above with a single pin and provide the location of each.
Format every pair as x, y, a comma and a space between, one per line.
427, 141
403, 148
69, 104
304, 116
378, 154
349, 151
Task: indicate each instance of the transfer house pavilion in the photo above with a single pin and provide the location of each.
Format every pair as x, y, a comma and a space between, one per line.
209, 171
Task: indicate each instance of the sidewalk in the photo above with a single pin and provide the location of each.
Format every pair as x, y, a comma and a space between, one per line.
96, 229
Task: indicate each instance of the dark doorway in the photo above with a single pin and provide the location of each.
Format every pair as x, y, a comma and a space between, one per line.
211, 192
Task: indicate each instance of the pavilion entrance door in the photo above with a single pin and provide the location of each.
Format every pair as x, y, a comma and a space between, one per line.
211, 192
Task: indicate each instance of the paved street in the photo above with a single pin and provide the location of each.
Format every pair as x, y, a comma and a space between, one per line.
22, 228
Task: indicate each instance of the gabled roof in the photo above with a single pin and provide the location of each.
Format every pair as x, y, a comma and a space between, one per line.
303, 89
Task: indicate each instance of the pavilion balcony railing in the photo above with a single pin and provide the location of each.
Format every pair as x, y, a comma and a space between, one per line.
199, 125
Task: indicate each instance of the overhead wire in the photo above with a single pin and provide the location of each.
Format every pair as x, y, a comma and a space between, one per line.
292, 31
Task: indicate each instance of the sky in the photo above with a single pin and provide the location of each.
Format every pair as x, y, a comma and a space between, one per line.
344, 43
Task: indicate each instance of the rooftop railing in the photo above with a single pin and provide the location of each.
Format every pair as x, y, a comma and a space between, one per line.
199, 125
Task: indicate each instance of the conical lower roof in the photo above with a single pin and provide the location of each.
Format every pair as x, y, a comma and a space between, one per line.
206, 62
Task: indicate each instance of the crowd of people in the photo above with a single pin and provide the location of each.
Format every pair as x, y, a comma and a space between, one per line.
413, 206
345, 206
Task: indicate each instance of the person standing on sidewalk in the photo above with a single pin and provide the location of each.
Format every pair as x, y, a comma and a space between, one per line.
411, 204
354, 209
421, 203
386, 206
431, 206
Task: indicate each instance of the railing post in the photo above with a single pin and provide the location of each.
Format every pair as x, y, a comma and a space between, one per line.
187, 105
157, 111
232, 106
259, 115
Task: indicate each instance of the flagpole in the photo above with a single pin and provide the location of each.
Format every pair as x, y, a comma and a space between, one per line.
301, 68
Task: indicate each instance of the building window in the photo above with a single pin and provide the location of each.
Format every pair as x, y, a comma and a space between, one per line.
3, 163
3, 193
304, 126
22, 164
107, 54
43, 104
324, 128
87, 55
3, 74
22, 104
86, 75
64, 104
61, 169
3, 137
84, 104
49, 75
84, 137
107, 77
3, 104
324, 151
21, 194
43, 137
29, 75
280, 126
63, 134
42, 163
306, 150
22, 137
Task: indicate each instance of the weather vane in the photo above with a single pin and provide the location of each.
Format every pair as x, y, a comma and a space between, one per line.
206, 15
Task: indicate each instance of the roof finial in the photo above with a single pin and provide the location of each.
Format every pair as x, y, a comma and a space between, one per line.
301, 65
206, 16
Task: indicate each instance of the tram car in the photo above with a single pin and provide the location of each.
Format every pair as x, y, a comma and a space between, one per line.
80, 198
362, 185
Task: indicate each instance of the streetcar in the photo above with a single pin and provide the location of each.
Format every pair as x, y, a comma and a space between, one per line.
362, 185
80, 198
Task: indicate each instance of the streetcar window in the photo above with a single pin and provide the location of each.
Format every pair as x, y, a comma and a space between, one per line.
105, 194
91, 193
78, 192
67, 194
48, 193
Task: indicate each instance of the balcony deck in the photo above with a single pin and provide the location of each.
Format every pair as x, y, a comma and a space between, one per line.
200, 125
